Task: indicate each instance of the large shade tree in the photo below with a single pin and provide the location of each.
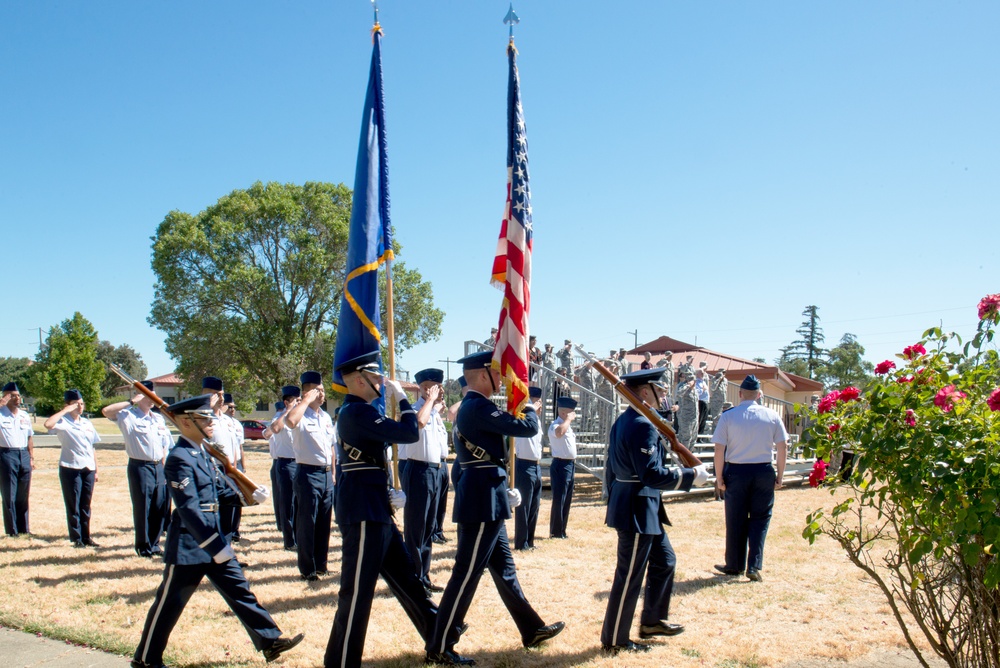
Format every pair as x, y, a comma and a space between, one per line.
249, 289
68, 360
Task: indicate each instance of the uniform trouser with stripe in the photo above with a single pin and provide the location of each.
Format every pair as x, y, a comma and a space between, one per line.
314, 517
633, 554
481, 545
77, 489
561, 476
15, 481
231, 515
442, 507
150, 504
659, 581
179, 582
371, 549
529, 482
283, 493
749, 502
419, 513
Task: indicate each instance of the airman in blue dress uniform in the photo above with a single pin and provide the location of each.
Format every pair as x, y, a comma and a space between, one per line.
196, 546
562, 443
636, 474
481, 507
372, 545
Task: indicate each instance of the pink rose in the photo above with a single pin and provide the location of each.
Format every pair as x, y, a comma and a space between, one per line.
849, 393
827, 403
909, 352
993, 401
946, 397
988, 306
883, 367
834, 428
911, 420
904, 379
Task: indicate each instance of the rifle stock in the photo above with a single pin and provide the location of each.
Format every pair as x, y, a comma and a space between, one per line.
244, 483
687, 457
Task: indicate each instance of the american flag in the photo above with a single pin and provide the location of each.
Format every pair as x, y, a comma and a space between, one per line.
512, 264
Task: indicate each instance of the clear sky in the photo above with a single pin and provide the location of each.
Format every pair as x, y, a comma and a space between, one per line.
699, 169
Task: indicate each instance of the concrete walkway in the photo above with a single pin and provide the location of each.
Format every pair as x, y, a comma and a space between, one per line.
26, 649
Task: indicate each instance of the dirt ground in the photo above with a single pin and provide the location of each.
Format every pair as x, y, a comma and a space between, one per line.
814, 609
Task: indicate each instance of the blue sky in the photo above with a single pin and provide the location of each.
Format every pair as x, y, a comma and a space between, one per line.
701, 170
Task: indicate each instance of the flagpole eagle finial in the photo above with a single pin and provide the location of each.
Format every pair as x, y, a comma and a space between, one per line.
510, 19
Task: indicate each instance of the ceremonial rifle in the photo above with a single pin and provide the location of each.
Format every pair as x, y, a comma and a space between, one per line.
686, 456
245, 484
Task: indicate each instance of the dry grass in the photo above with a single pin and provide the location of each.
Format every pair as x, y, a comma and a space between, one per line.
812, 605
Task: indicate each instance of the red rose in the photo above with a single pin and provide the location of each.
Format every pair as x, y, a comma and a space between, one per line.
818, 473
834, 428
946, 397
827, 403
914, 351
904, 379
911, 420
988, 306
993, 401
849, 393
884, 367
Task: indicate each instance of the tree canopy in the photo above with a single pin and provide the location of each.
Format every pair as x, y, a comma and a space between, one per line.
15, 370
804, 357
126, 357
68, 360
249, 289
845, 365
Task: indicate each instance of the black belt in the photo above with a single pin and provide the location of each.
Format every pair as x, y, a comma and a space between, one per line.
530, 461
286, 459
143, 461
314, 466
564, 459
2, 448
433, 465
747, 463
480, 453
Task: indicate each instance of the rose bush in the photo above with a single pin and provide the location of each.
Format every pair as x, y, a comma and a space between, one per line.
923, 513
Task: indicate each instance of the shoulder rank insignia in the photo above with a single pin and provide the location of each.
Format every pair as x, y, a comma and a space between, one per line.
646, 451
379, 421
496, 414
180, 485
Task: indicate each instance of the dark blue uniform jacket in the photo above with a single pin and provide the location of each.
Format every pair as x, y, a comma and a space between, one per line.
636, 474
481, 492
197, 488
363, 481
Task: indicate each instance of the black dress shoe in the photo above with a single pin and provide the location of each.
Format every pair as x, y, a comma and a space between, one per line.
280, 646
90, 543
659, 629
439, 540
725, 570
544, 633
628, 647
448, 658
136, 663
434, 588
312, 577
754, 575
79, 543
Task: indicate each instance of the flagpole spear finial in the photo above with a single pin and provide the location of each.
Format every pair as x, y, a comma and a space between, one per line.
510, 20
375, 10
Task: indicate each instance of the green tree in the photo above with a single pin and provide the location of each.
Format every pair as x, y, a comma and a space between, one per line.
808, 349
68, 360
846, 365
249, 289
126, 357
15, 370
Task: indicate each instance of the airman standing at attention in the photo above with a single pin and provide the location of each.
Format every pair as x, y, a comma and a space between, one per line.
77, 465
17, 459
528, 480
283, 466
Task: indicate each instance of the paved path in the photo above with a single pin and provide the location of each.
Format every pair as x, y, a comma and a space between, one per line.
26, 649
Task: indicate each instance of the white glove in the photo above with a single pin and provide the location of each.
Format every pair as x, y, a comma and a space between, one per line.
225, 555
261, 494
700, 475
514, 497
393, 390
397, 498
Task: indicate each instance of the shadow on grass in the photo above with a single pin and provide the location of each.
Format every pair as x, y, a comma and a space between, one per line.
683, 588
92, 575
506, 658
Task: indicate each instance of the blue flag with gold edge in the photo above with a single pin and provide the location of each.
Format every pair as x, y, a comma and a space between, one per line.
369, 242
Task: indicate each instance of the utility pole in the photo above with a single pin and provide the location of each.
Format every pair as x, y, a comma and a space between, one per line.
636, 335
447, 373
